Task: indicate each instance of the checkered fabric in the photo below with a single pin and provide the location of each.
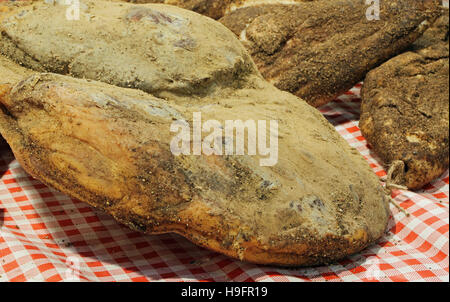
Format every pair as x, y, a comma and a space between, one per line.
46, 235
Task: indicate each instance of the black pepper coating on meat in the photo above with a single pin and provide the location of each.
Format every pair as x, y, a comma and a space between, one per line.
318, 50
405, 109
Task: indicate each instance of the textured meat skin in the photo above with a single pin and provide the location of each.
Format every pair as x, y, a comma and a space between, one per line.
102, 145
405, 108
109, 146
11, 73
318, 50
137, 47
215, 9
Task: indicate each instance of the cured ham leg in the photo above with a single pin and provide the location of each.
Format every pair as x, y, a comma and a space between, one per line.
111, 146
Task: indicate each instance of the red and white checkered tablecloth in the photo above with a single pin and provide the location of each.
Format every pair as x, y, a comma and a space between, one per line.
48, 236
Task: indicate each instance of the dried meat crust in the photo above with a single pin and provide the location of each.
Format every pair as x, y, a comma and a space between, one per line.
10, 72
318, 50
215, 9
405, 109
110, 146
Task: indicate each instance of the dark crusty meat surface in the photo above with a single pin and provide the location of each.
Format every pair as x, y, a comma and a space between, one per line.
110, 146
405, 109
318, 50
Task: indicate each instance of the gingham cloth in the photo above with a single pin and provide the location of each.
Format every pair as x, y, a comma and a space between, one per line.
46, 235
